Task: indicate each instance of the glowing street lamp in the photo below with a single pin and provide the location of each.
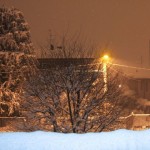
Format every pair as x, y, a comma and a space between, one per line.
105, 60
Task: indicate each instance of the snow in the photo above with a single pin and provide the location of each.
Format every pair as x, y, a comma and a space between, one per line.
115, 140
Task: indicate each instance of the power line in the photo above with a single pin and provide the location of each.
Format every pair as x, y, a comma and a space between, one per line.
120, 65
133, 67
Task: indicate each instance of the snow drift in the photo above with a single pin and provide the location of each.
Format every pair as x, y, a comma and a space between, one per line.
116, 140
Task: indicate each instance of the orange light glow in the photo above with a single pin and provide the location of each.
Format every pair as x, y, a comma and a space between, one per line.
105, 57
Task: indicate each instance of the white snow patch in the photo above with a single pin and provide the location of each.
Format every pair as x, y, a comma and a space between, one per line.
116, 140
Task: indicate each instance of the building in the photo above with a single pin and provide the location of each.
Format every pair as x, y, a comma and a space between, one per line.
141, 87
137, 121
47, 63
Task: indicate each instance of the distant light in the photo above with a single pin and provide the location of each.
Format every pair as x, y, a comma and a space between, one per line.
120, 85
106, 57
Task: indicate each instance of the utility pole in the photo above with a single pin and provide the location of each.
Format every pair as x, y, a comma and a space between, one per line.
149, 54
51, 41
141, 61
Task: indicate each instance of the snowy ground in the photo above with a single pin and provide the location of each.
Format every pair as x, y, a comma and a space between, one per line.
116, 140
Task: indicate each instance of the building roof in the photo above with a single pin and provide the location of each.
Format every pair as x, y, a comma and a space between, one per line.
51, 62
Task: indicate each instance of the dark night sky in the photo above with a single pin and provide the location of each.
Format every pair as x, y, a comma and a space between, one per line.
123, 25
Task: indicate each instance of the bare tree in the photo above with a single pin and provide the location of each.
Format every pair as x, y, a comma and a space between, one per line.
71, 96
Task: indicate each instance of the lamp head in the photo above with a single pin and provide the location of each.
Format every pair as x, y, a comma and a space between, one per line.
105, 58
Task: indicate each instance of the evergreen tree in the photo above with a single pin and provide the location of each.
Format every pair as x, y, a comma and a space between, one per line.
16, 58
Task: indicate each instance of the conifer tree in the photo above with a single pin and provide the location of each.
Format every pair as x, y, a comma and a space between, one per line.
16, 58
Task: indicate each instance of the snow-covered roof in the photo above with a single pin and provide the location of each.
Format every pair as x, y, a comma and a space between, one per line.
137, 115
